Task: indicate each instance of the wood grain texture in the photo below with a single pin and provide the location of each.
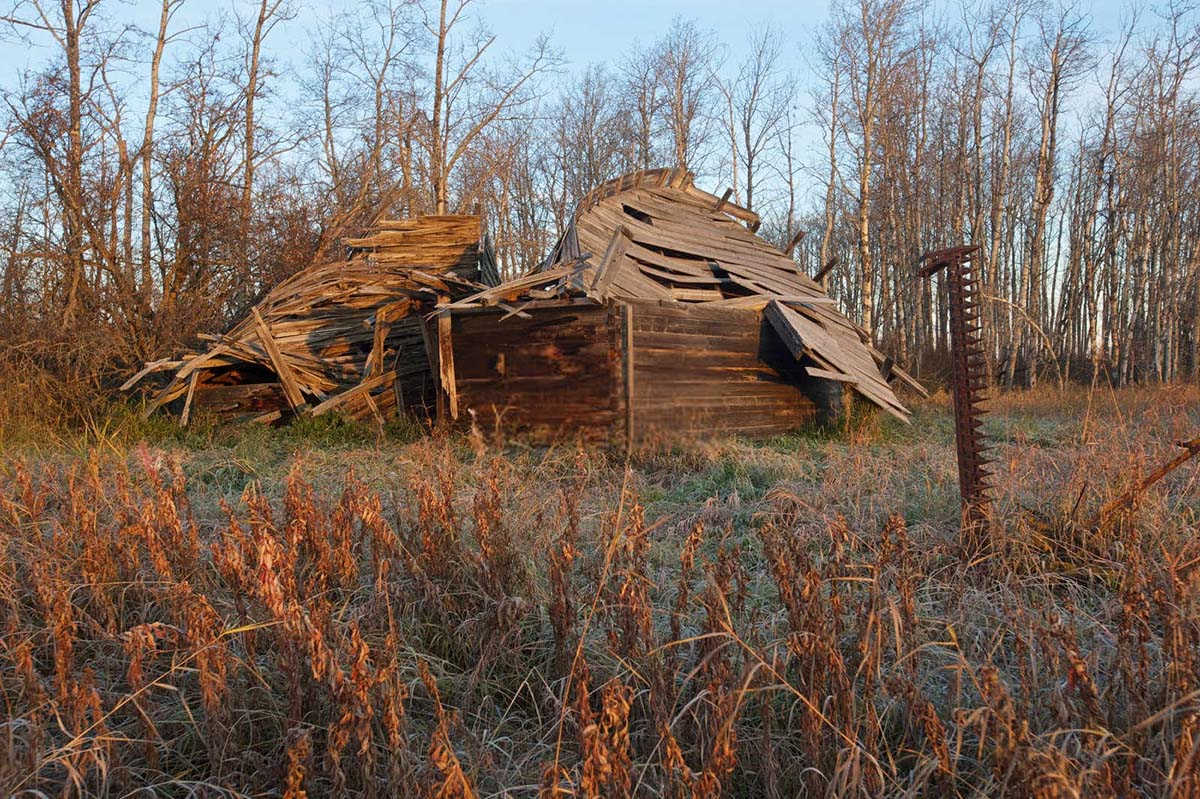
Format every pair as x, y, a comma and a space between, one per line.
326, 329
702, 370
557, 373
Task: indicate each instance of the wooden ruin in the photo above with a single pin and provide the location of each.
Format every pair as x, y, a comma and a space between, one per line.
344, 336
658, 311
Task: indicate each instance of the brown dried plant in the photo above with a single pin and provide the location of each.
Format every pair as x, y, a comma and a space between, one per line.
443, 621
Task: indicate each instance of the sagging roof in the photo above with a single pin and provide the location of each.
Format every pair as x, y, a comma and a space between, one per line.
652, 235
336, 335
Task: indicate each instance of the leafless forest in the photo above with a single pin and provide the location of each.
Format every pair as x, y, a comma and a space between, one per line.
156, 181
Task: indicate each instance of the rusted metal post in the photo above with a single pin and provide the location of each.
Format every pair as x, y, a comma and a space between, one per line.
970, 379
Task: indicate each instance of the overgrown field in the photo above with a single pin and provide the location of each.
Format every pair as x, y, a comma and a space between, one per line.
336, 611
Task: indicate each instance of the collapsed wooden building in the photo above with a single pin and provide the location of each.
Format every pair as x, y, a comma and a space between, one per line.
344, 336
658, 311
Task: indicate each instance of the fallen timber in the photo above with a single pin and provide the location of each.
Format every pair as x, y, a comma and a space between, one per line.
344, 335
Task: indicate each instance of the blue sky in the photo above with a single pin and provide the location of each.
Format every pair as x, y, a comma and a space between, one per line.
584, 31
596, 31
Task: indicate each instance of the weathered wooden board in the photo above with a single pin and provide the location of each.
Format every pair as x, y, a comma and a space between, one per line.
805, 337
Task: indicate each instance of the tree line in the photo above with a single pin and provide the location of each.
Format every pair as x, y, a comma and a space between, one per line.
154, 182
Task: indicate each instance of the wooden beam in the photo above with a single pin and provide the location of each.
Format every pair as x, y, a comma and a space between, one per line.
198, 361
374, 409
627, 313
352, 394
286, 379
151, 366
829, 265
908, 380
446, 362
606, 272
517, 312
431, 354
384, 317
187, 403
795, 240
826, 374
169, 393
804, 299
724, 199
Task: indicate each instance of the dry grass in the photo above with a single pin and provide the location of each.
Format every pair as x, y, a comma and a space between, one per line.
281, 615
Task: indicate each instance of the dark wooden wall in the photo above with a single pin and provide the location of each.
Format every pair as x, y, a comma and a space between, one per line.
558, 372
696, 370
701, 369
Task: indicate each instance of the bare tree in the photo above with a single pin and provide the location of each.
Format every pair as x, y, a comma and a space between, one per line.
1060, 58
641, 98
270, 13
365, 107
757, 99
169, 7
871, 35
688, 60
466, 97
66, 25
827, 112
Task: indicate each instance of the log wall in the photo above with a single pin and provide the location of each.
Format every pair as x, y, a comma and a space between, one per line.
701, 369
695, 370
557, 372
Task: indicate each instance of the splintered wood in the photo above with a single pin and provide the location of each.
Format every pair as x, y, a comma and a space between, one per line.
342, 335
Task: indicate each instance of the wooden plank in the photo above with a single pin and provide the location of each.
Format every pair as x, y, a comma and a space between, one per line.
796, 239
286, 378
353, 394
614, 256
800, 335
518, 311
753, 302
383, 323
169, 393
446, 362
910, 381
826, 374
187, 403
200, 360
697, 295
806, 337
374, 408
627, 313
804, 299
431, 353
152, 366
